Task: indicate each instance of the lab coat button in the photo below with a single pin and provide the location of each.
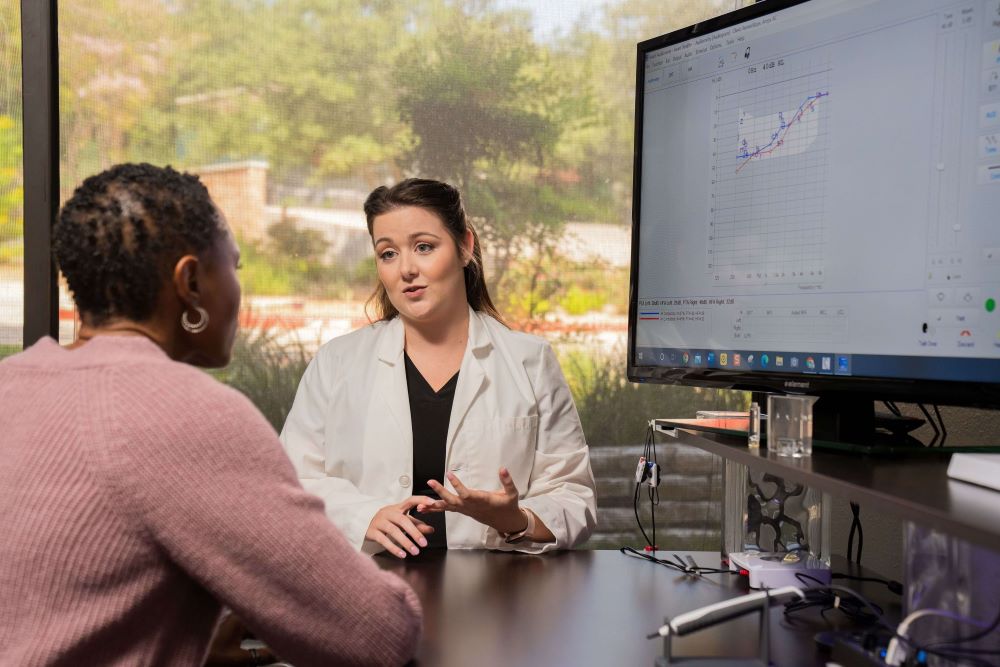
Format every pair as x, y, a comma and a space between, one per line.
404, 481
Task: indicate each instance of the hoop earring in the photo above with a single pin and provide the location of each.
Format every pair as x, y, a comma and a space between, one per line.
196, 327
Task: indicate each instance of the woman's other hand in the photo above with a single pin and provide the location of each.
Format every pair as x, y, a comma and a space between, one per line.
398, 532
497, 509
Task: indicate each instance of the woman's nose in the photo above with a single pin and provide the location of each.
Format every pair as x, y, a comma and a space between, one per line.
407, 266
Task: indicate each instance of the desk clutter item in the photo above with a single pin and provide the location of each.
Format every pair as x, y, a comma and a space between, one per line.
790, 425
720, 612
766, 514
981, 469
775, 570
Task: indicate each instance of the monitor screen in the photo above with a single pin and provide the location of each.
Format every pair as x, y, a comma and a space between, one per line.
817, 201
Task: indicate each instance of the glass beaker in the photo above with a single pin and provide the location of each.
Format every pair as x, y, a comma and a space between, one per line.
789, 425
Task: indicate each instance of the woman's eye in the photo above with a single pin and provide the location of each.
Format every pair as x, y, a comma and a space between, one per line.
424, 247
386, 255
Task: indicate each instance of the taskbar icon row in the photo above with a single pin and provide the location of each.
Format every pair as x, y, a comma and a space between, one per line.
746, 360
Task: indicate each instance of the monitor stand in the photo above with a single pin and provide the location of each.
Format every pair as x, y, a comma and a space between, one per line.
849, 423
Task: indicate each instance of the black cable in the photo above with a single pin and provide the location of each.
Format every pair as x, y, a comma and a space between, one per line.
635, 508
629, 551
973, 637
933, 425
856, 510
944, 431
652, 515
891, 584
875, 616
654, 488
855, 529
640, 474
855, 606
644, 473
850, 540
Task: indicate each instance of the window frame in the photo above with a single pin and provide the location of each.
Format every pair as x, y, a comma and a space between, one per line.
40, 137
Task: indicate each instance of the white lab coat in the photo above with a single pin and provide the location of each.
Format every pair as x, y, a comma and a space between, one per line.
349, 434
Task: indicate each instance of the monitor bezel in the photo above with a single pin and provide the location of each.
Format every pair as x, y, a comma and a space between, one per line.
943, 392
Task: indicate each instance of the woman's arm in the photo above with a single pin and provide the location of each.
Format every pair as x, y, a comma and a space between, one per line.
304, 438
561, 488
370, 523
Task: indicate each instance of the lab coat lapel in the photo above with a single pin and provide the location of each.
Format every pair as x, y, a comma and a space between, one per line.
390, 379
472, 378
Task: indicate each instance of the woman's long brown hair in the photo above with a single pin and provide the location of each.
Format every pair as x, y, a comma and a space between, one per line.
445, 202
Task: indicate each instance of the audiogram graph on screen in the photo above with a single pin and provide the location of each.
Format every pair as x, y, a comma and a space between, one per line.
770, 137
799, 132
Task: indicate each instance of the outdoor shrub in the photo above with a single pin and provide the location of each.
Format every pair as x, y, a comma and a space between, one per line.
616, 411
267, 370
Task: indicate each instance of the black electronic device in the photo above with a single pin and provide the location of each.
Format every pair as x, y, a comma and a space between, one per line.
816, 187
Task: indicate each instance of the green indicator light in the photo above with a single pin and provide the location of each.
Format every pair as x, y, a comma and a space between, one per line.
991, 305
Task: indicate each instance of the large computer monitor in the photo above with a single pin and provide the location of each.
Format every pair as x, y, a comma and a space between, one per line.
817, 203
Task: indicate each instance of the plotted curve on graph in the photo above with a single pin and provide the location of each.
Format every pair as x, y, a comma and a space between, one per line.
779, 135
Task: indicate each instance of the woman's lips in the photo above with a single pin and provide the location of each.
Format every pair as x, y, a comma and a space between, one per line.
414, 292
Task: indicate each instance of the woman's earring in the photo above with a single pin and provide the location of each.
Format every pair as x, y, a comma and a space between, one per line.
195, 327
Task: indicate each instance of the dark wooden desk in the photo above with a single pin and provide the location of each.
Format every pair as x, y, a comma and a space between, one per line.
579, 608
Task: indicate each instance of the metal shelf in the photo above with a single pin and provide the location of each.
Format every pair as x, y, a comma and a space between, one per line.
916, 489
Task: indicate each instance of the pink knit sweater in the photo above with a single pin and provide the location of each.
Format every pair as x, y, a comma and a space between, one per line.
137, 494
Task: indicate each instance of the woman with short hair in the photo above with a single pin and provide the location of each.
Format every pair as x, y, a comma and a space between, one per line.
138, 494
438, 426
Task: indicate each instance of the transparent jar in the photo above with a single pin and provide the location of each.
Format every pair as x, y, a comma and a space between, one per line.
767, 514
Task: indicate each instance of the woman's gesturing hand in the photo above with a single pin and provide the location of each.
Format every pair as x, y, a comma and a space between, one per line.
497, 509
398, 532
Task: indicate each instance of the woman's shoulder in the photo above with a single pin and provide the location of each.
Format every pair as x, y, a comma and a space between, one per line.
521, 343
354, 343
182, 383
158, 398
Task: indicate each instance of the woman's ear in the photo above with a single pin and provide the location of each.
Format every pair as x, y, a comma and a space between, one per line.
185, 280
468, 243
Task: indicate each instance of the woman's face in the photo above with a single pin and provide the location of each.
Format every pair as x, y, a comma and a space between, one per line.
419, 264
219, 289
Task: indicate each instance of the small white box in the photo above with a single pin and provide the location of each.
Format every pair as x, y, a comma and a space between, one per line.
774, 570
981, 469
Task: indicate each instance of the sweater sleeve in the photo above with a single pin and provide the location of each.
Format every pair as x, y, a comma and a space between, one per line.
205, 476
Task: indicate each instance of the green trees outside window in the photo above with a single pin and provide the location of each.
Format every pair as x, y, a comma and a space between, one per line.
292, 110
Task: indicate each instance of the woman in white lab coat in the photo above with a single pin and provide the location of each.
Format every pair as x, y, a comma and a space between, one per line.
437, 425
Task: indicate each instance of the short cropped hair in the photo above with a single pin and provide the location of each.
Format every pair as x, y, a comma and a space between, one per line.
119, 236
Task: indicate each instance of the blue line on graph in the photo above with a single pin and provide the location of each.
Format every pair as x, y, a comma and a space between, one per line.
746, 155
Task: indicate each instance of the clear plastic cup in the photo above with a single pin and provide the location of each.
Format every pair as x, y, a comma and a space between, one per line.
789, 425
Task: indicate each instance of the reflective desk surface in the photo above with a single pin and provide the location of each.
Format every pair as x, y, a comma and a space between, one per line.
584, 608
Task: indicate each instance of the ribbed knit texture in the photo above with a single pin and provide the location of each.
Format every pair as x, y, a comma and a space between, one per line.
137, 494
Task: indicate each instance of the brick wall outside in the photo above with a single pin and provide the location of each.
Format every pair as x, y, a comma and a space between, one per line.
240, 191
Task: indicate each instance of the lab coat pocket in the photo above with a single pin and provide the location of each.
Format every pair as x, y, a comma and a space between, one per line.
514, 443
